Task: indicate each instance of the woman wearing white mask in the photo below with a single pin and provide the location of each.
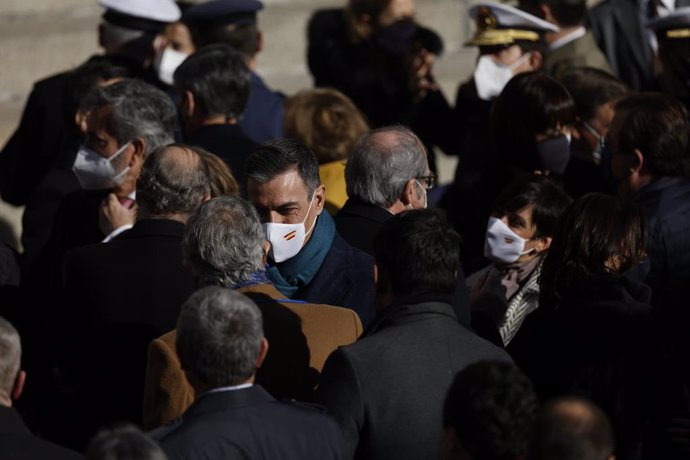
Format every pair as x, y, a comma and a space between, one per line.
518, 235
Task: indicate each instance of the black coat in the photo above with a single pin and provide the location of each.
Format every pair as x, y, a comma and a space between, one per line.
604, 342
228, 142
19, 444
387, 389
345, 279
249, 423
133, 288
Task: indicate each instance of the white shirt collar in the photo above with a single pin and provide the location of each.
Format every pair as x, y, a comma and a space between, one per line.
571, 37
223, 389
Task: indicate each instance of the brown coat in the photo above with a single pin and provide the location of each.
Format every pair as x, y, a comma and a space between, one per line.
300, 335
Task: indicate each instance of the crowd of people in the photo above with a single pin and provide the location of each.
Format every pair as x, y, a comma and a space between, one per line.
213, 270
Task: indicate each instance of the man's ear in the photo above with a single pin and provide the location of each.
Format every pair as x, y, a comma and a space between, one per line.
319, 198
637, 162
188, 104
536, 59
266, 247
376, 274
262, 353
543, 244
18, 387
139, 149
546, 13
259, 41
410, 194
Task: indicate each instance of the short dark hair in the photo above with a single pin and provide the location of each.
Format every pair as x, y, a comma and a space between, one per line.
492, 406
219, 334
418, 251
243, 37
591, 88
658, 126
279, 156
123, 442
596, 231
531, 103
174, 179
218, 77
568, 13
548, 200
571, 429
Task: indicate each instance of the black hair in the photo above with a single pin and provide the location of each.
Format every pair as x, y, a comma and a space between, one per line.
218, 77
530, 104
599, 236
492, 406
658, 126
279, 156
418, 251
549, 202
241, 37
592, 88
571, 429
568, 13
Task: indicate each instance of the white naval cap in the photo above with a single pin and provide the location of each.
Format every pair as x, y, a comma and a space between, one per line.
672, 26
162, 11
501, 24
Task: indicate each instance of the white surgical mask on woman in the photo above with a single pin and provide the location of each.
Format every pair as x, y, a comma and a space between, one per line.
167, 62
502, 244
287, 239
490, 77
95, 172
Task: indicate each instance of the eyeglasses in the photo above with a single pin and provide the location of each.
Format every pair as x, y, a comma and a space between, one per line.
429, 182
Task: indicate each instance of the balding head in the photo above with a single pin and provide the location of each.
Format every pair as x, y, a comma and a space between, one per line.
173, 183
384, 164
571, 429
10, 360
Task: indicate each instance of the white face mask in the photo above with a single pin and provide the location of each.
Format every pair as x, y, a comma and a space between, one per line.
502, 244
287, 239
95, 172
167, 62
426, 197
490, 77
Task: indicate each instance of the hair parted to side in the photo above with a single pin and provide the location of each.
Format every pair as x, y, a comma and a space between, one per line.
123, 442
548, 201
492, 406
222, 242
531, 103
279, 156
592, 88
571, 428
658, 126
326, 121
174, 180
10, 356
139, 110
599, 236
218, 77
382, 162
219, 335
418, 251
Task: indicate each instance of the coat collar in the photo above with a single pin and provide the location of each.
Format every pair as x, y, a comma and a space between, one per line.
226, 401
154, 227
11, 422
411, 307
359, 208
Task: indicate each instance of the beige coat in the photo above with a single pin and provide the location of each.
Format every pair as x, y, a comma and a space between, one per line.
301, 336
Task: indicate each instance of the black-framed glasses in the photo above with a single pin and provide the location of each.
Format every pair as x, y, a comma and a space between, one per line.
428, 182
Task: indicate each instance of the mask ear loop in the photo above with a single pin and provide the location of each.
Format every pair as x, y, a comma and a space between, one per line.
305, 217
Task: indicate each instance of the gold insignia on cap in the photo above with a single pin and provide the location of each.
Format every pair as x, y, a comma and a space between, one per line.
678, 33
485, 19
488, 33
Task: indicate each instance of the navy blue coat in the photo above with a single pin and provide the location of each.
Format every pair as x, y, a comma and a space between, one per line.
345, 279
249, 423
263, 117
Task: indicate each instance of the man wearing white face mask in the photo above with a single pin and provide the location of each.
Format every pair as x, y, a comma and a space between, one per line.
308, 260
125, 122
517, 237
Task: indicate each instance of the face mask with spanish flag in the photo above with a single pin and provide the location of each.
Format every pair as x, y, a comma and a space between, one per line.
287, 239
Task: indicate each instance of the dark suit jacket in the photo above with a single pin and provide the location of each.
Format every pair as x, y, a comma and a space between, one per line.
249, 423
346, 279
620, 33
263, 117
133, 288
387, 389
300, 338
357, 222
228, 142
19, 444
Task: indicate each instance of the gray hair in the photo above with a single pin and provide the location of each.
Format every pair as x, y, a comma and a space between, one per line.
174, 179
219, 334
139, 110
123, 442
222, 241
382, 162
10, 356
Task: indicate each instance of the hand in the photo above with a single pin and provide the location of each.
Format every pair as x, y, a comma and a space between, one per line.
112, 215
421, 80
